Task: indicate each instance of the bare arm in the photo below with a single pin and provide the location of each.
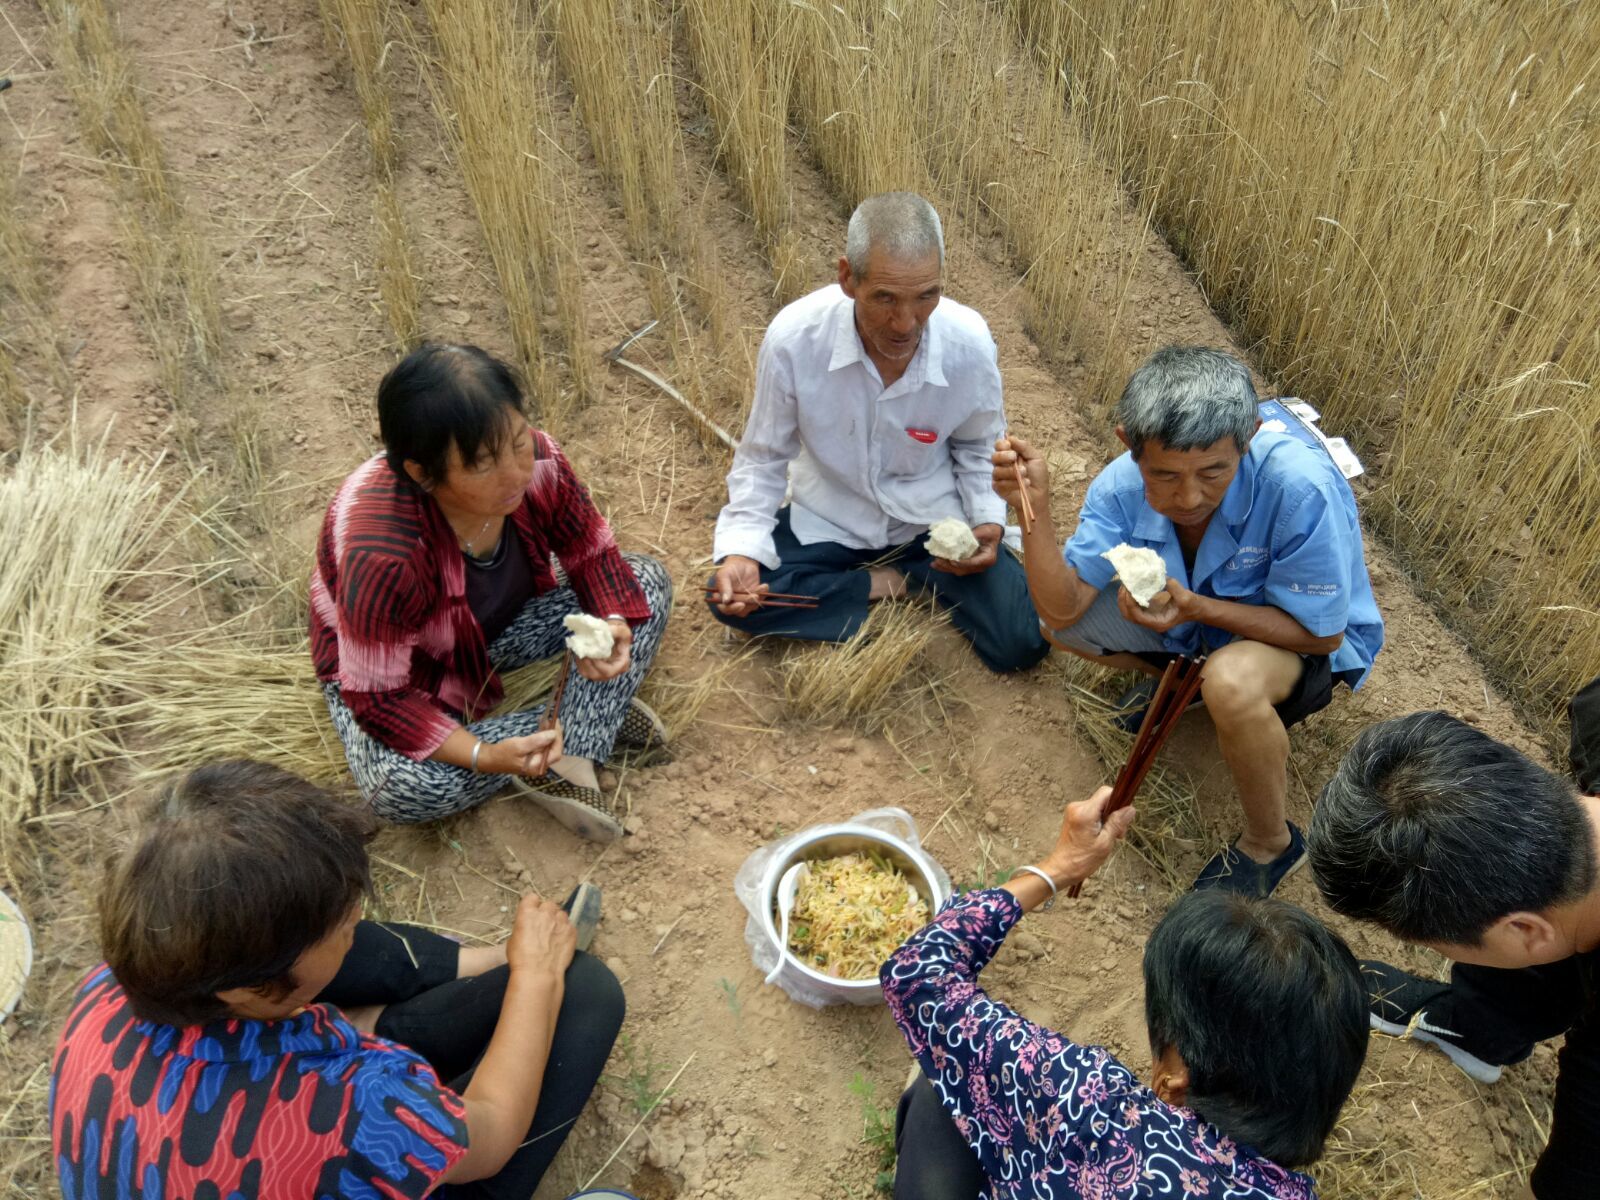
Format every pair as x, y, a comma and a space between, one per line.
1059, 596
1255, 622
505, 1088
1264, 623
530, 755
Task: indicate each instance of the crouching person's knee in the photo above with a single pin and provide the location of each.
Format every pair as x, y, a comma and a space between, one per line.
594, 996
1013, 650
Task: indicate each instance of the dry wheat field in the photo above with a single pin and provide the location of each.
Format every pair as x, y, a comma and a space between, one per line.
221, 220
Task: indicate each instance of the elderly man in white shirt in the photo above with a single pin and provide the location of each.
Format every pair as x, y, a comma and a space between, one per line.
878, 401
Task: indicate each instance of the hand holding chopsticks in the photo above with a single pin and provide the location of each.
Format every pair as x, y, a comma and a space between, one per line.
737, 590
1089, 833
1024, 502
1180, 682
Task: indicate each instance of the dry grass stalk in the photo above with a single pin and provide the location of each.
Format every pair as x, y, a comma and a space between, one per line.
854, 682
492, 95
617, 59
230, 692
1397, 222
77, 527
397, 274
26, 329
738, 56
858, 73
1360, 1162
172, 263
362, 27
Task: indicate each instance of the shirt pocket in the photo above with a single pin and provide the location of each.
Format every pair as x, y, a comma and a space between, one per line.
913, 452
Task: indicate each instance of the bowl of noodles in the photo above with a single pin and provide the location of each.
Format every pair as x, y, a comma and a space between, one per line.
864, 892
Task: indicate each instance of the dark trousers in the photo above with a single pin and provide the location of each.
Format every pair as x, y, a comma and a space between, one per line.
935, 1161
449, 1022
992, 608
1502, 1014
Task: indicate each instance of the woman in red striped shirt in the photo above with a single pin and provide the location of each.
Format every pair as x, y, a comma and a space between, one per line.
434, 574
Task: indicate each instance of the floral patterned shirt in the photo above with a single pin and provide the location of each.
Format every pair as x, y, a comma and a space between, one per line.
1049, 1118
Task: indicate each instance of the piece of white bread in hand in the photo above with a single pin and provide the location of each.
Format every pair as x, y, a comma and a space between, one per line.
952, 539
1142, 571
590, 637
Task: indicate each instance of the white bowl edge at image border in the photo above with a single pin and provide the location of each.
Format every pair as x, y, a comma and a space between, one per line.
13, 912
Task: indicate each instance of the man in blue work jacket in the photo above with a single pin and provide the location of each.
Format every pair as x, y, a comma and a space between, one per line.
1266, 577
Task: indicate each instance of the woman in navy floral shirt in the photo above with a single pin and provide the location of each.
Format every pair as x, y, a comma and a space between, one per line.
1257, 1022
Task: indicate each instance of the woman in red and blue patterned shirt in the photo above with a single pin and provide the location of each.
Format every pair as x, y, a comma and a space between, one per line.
250, 1037
434, 574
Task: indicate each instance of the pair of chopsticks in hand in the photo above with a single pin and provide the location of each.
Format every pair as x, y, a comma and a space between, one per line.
1024, 504
553, 709
1179, 683
766, 599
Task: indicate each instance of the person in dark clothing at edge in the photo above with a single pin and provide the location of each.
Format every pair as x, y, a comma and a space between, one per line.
1447, 838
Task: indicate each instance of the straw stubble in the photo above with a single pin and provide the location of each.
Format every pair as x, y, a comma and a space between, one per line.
360, 29
492, 95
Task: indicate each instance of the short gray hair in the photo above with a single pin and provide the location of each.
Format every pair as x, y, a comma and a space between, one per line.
1186, 398
901, 224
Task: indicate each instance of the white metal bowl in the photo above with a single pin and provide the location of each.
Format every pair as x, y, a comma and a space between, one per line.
829, 841
22, 950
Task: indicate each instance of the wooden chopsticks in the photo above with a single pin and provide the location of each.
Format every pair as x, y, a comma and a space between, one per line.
1024, 504
1176, 691
553, 709
768, 599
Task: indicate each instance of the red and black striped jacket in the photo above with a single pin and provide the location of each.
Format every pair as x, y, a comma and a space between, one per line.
390, 622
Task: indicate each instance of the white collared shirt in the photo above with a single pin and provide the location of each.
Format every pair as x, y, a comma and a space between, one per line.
871, 466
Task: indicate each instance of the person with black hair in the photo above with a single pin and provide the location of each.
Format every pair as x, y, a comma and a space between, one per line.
1450, 839
249, 1035
434, 574
1257, 1026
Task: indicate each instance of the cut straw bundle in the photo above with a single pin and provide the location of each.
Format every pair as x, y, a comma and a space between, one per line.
75, 529
853, 681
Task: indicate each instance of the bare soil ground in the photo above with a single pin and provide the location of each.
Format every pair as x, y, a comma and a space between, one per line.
262, 129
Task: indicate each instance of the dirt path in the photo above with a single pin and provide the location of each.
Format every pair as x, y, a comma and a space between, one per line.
266, 140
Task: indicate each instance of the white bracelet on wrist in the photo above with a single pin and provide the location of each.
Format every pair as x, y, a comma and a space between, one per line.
478, 746
1050, 883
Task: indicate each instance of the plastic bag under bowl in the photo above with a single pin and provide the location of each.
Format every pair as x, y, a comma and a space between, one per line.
889, 831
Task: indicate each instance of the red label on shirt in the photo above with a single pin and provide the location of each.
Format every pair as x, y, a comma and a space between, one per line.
926, 436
